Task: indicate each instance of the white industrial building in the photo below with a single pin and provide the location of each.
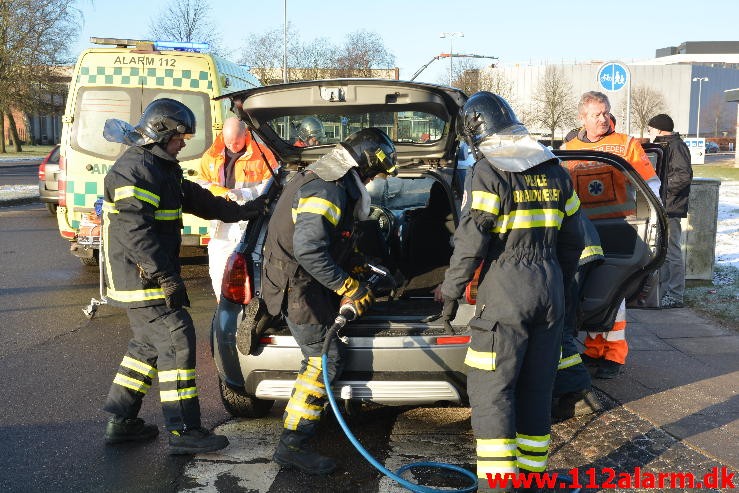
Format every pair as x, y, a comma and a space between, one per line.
714, 65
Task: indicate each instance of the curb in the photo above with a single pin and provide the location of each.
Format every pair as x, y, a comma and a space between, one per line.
19, 201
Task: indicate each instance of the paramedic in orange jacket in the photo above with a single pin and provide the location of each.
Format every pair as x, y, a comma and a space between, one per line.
234, 167
605, 193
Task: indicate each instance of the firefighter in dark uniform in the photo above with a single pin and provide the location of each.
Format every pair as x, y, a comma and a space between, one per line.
572, 393
523, 224
145, 196
306, 276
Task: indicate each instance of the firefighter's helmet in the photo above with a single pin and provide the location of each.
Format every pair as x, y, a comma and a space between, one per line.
311, 127
373, 151
485, 114
164, 118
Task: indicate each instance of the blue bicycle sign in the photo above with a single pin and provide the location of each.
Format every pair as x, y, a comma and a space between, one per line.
613, 76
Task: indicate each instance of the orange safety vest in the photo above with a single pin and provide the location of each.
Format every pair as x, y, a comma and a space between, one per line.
604, 191
250, 168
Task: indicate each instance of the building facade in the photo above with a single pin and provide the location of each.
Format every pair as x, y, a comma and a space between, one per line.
671, 76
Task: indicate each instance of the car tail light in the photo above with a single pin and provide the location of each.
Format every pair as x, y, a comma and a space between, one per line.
42, 171
452, 340
236, 286
470, 292
62, 183
267, 340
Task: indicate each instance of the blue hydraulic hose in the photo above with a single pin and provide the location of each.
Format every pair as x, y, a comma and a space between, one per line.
394, 476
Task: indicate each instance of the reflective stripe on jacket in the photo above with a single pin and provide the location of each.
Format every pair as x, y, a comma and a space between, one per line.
526, 228
144, 198
308, 237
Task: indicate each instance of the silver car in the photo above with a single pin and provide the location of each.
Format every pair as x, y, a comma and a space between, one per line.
48, 187
400, 352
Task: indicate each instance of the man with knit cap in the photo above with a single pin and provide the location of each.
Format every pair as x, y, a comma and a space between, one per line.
674, 194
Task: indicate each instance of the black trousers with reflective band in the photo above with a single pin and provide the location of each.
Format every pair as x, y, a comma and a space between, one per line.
512, 402
308, 399
163, 344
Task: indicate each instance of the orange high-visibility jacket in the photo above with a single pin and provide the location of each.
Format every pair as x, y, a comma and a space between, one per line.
250, 168
605, 192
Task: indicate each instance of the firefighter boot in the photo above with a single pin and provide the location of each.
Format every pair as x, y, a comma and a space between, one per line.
122, 429
293, 452
195, 441
574, 404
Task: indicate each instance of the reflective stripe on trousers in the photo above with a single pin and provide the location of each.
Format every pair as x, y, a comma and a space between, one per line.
163, 344
611, 344
308, 398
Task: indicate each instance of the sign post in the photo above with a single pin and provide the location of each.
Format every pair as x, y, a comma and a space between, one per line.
612, 77
697, 147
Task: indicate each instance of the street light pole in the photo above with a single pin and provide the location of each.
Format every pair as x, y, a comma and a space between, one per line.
700, 81
451, 50
284, 47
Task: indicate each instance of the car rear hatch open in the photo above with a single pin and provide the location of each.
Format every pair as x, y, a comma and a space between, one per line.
419, 118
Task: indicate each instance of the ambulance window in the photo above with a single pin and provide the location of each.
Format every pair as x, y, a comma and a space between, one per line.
200, 105
94, 106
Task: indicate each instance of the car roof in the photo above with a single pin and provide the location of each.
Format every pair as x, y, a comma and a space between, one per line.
261, 105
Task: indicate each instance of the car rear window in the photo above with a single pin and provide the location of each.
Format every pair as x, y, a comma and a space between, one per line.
410, 127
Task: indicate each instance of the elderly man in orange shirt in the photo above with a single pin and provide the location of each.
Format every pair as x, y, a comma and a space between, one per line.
236, 167
607, 195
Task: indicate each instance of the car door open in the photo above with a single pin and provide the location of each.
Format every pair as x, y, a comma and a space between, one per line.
632, 233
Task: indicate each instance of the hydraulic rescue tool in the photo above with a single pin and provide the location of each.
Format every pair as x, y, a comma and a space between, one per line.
347, 313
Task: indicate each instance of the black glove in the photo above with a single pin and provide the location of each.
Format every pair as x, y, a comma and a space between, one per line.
360, 296
255, 208
449, 312
175, 294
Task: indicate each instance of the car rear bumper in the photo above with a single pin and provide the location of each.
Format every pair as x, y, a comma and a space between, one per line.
394, 391
47, 194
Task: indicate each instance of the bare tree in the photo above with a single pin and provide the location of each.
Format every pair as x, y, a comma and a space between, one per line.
554, 102
315, 59
495, 81
362, 51
35, 36
716, 115
645, 103
263, 53
466, 76
186, 20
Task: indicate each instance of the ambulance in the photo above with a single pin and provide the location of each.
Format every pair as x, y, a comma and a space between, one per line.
118, 80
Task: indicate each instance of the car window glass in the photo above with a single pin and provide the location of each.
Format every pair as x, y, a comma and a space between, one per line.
200, 105
94, 106
54, 157
409, 127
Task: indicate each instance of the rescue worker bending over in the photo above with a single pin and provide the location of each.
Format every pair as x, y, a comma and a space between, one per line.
237, 168
523, 224
605, 193
305, 274
145, 196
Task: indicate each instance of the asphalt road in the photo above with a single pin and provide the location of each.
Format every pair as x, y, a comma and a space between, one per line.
19, 172
57, 367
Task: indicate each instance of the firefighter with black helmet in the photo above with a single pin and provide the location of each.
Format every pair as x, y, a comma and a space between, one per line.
521, 221
144, 198
306, 276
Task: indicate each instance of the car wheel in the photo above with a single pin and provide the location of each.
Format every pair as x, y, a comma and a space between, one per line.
51, 207
91, 261
241, 405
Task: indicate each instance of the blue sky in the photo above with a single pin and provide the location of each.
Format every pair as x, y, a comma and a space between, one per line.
513, 31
